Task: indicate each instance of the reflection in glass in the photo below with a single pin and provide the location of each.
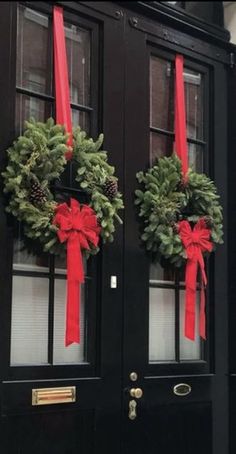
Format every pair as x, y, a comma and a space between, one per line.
161, 94
193, 103
25, 261
78, 57
81, 119
161, 325
27, 107
73, 354
160, 145
29, 324
33, 55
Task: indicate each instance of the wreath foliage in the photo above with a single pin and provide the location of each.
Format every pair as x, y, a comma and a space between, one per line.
36, 160
163, 200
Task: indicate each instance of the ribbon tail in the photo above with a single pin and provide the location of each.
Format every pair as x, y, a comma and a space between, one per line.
190, 299
75, 276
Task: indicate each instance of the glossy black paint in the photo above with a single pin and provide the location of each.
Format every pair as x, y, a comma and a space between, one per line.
98, 422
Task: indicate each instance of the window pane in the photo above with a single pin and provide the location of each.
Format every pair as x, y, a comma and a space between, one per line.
194, 103
27, 106
25, 261
160, 145
161, 324
195, 155
29, 325
81, 119
73, 354
33, 55
189, 350
161, 94
78, 57
159, 274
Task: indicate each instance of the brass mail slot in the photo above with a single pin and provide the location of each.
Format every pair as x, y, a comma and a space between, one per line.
49, 396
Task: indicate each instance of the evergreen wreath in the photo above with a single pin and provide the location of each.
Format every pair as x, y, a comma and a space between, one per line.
164, 199
36, 160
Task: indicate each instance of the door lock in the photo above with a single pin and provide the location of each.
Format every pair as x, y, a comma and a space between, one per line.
137, 393
132, 409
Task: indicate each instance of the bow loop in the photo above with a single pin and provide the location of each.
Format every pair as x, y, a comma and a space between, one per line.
78, 226
195, 242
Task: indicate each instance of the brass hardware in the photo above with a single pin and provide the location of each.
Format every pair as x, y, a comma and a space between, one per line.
182, 389
132, 409
137, 393
133, 376
49, 396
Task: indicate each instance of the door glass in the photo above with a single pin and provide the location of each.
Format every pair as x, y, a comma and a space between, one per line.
166, 288
39, 281
29, 325
161, 324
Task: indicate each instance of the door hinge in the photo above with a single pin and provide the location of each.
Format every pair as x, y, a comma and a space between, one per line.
231, 59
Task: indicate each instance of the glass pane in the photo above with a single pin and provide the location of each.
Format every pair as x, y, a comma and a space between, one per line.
81, 119
75, 353
195, 155
189, 350
78, 57
29, 324
160, 145
161, 94
161, 324
33, 55
28, 106
194, 103
25, 261
159, 274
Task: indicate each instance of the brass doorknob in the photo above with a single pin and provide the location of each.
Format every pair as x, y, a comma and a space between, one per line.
137, 393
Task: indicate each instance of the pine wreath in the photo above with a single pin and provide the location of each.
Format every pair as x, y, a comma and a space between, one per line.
36, 160
163, 200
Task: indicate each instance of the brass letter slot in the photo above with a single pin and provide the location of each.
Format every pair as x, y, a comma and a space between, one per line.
49, 396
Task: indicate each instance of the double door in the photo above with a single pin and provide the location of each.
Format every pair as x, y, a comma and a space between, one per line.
140, 385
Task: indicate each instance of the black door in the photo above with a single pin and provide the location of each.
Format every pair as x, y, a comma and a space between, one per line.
121, 76
154, 345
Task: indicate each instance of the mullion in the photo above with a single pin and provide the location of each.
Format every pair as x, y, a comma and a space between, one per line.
49, 98
177, 317
172, 134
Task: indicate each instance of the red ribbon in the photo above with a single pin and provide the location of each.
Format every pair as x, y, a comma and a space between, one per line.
180, 116
78, 226
62, 90
195, 242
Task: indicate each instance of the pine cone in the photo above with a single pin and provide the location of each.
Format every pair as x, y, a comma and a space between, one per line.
110, 188
37, 194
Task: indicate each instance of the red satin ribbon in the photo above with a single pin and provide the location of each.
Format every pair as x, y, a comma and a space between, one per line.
78, 226
62, 91
180, 116
195, 242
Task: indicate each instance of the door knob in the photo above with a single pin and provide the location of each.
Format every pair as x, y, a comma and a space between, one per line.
137, 393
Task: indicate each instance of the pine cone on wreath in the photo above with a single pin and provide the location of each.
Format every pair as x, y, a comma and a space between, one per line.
110, 188
37, 194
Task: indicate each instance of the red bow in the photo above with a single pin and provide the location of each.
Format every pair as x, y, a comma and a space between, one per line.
195, 242
78, 226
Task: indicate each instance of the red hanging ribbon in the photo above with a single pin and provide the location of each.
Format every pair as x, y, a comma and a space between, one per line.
180, 116
195, 242
62, 91
78, 226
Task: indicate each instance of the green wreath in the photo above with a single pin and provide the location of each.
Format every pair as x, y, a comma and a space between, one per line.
163, 200
36, 160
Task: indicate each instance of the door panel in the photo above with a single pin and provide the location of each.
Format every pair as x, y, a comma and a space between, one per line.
154, 346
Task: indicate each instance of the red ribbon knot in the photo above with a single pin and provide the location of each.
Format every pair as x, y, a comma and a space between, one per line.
78, 226
195, 242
